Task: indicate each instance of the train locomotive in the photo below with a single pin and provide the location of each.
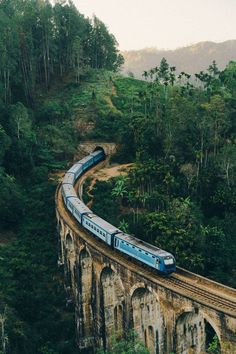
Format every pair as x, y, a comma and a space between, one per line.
145, 253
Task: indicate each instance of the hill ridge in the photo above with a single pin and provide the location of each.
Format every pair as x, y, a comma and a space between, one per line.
192, 58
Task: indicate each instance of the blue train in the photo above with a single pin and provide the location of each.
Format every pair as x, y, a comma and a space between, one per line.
150, 255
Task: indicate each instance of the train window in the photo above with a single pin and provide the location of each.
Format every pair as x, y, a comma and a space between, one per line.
146, 253
133, 246
122, 241
127, 244
140, 250
168, 260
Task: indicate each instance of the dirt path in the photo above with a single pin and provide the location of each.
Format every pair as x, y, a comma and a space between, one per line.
105, 174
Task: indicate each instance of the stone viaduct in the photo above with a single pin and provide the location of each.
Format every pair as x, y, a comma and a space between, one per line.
111, 294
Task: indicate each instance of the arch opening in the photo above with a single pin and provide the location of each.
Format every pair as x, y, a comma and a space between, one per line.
118, 320
190, 333
212, 343
150, 339
69, 242
85, 291
147, 318
112, 304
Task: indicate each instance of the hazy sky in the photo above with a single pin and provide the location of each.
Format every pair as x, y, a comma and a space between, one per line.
164, 23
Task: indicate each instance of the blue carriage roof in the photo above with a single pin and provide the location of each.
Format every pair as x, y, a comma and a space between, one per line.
144, 245
69, 178
79, 205
85, 159
74, 168
69, 190
95, 153
106, 226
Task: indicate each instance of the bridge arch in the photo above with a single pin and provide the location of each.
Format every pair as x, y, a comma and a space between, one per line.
69, 242
211, 331
190, 332
84, 275
148, 319
60, 250
113, 304
209, 320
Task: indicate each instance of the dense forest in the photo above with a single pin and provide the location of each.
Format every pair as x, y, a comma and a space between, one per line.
180, 194
45, 50
59, 85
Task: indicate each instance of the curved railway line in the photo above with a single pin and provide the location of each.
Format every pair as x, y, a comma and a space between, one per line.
183, 282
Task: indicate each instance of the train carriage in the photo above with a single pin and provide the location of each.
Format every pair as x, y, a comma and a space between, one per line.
67, 192
86, 162
77, 208
69, 178
76, 170
148, 254
97, 156
153, 256
100, 228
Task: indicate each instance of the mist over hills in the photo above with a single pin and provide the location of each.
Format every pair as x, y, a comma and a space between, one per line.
190, 59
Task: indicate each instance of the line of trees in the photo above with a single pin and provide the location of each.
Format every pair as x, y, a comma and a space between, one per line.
40, 42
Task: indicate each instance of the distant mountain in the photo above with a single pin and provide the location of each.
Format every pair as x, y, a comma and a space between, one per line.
190, 59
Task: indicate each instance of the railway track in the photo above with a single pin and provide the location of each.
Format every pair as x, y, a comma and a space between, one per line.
183, 282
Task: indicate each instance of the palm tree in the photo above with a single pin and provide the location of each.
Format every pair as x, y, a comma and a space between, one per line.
123, 226
119, 191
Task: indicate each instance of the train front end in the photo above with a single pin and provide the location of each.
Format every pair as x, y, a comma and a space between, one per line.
168, 264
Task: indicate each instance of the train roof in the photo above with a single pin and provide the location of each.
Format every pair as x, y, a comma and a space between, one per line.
75, 167
69, 178
106, 226
85, 159
79, 205
144, 245
69, 190
95, 153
